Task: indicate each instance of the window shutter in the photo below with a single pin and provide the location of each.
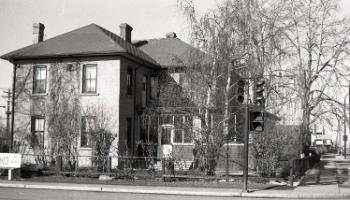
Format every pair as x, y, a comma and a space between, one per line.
84, 80
32, 125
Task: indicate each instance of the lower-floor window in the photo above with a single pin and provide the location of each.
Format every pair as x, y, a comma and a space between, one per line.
88, 125
183, 129
38, 130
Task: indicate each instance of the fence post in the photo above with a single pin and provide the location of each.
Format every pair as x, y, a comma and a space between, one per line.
58, 164
109, 163
163, 168
76, 164
291, 173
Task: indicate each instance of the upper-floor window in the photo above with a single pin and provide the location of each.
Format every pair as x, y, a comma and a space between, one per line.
129, 81
87, 126
154, 87
38, 129
89, 78
39, 79
144, 91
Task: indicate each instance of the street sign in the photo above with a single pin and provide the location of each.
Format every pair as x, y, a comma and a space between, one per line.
10, 160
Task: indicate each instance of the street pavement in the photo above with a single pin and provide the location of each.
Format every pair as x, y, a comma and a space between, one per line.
326, 180
42, 194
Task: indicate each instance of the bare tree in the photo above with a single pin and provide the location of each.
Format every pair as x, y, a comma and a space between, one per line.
314, 43
238, 39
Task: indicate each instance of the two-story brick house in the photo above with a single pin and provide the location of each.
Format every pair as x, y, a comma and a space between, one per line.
103, 70
110, 72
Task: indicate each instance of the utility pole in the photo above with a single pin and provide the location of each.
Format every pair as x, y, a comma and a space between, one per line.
13, 106
8, 113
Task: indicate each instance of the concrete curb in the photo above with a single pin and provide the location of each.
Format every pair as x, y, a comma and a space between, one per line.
175, 191
63, 187
12, 185
297, 195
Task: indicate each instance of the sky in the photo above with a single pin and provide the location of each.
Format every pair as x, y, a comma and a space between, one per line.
149, 19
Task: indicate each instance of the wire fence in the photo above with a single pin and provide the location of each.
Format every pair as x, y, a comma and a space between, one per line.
123, 167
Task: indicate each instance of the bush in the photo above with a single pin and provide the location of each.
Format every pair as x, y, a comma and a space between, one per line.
275, 142
103, 141
29, 170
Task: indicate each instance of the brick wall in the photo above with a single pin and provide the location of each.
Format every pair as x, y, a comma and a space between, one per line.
27, 105
131, 105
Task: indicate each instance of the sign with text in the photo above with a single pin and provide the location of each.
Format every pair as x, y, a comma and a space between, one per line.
10, 160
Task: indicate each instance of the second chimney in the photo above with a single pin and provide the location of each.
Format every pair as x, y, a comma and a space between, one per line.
38, 32
125, 31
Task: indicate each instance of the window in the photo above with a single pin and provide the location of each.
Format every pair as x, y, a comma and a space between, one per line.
129, 81
166, 135
128, 132
154, 87
39, 80
144, 91
88, 125
89, 78
182, 132
38, 129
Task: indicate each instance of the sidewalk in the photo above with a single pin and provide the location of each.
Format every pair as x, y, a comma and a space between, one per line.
306, 192
327, 180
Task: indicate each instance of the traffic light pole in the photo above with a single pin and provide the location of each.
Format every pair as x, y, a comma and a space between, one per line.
246, 148
345, 137
246, 144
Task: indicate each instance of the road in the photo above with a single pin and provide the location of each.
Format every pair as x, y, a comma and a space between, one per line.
37, 194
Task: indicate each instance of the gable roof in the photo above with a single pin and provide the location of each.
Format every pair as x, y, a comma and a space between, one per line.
85, 41
169, 52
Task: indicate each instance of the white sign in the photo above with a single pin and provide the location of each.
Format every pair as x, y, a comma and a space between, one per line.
10, 160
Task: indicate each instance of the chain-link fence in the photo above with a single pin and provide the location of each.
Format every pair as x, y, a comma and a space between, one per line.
122, 167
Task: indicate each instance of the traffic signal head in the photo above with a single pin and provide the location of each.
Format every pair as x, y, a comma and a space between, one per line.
259, 93
256, 121
240, 90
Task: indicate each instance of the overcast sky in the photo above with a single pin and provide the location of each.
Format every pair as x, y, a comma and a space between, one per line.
149, 19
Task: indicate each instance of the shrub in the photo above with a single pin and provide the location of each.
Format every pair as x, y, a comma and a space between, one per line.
103, 141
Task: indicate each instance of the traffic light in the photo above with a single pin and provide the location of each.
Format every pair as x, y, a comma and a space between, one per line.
256, 121
240, 90
259, 93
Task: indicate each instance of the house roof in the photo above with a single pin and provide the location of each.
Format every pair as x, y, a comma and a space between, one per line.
85, 41
169, 52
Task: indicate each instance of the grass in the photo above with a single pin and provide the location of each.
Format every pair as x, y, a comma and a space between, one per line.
146, 179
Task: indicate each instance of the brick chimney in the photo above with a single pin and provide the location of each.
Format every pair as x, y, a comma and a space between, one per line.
171, 35
38, 32
125, 31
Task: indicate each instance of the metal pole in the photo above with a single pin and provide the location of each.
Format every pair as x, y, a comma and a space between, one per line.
8, 113
345, 136
246, 143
